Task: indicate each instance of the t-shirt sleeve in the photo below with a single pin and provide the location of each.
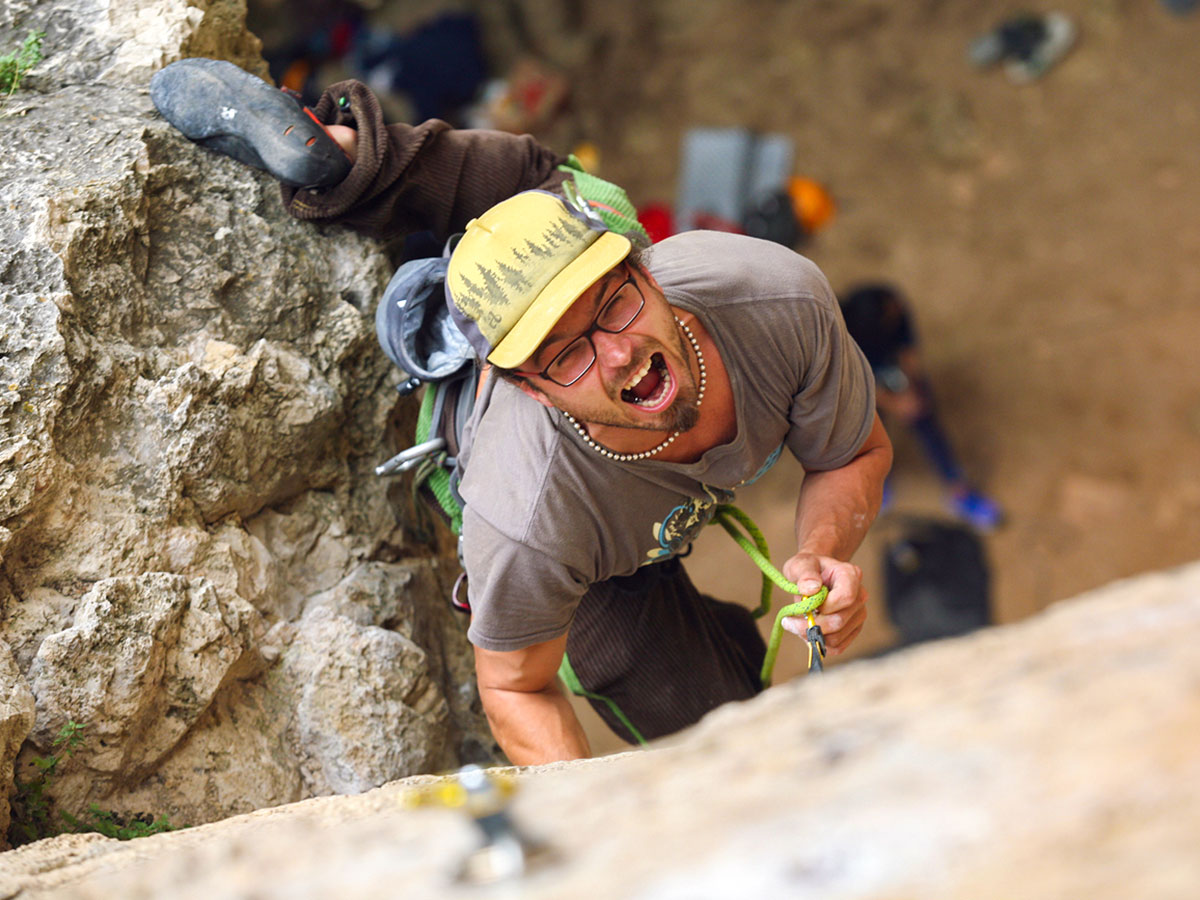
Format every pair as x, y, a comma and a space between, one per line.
519, 596
833, 409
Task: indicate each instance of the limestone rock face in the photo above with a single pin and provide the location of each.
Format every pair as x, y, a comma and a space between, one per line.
192, 402
1051, 759
126, 42
140, 664
366, 713
16, 719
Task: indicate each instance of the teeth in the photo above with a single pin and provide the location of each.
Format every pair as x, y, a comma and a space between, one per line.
638, 376
662, 389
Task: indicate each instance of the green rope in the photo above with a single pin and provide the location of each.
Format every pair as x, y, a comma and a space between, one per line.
432, 470
729, 517
803, 608
567, 673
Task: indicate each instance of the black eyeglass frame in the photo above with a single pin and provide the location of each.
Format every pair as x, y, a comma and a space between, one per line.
592, 329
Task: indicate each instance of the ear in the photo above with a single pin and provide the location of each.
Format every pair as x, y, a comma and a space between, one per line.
529, 390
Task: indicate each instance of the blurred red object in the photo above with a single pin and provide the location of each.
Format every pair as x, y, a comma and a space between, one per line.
533, 96
707, 221
658, 221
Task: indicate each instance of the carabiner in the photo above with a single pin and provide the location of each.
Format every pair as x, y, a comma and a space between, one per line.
406, 459
816, 641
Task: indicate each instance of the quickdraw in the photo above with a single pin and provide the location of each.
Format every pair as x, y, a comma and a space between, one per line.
505, 851
730, 517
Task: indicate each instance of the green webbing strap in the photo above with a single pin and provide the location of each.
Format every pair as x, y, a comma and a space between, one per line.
425, 418
729, 517
431, 469
610, 202
575, 686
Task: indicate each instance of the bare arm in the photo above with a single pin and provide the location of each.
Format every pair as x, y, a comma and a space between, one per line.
835, 509
528, 714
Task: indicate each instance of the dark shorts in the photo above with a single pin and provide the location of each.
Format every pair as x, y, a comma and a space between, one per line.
660, 650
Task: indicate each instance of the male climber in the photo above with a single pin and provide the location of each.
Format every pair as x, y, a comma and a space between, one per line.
638, 387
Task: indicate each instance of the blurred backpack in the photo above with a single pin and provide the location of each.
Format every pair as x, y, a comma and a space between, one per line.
936, 581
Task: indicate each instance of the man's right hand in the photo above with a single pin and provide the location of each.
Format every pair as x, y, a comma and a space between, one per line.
844, 611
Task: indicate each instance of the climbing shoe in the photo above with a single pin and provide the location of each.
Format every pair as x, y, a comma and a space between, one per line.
1028, 45
226, 109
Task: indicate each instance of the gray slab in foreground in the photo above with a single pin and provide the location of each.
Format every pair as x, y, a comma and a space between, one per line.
1051, 759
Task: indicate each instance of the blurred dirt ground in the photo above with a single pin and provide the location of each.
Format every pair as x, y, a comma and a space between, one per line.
1048, 236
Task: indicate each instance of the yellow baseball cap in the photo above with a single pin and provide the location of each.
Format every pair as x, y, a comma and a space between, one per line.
520, 266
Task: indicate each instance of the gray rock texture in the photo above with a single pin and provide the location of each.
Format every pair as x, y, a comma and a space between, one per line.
1051, 759
124, 43
16, 720
141, 663
191, 404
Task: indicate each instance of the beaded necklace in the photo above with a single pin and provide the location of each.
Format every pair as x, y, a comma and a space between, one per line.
646, 454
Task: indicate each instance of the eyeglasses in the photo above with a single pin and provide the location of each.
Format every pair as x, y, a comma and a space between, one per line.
617, 314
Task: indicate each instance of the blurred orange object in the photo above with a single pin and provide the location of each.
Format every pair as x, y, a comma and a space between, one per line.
812, 203
296, 75
588, 155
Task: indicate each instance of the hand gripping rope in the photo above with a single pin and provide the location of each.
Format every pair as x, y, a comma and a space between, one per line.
729, 517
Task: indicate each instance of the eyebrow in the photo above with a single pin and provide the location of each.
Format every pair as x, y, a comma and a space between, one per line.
604, 295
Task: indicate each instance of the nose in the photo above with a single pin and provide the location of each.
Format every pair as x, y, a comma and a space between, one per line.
612, 350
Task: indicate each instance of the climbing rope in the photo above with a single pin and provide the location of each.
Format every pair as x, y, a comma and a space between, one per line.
432, 469
730, 517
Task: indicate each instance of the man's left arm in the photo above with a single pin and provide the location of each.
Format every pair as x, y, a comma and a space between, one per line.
835, 509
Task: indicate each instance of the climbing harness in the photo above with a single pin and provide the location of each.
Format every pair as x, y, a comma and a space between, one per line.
730, 517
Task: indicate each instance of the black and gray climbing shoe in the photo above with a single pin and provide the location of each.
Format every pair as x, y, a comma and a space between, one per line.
226, 109
1028, 45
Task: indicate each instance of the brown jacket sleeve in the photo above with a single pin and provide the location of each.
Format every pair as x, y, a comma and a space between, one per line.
411, 178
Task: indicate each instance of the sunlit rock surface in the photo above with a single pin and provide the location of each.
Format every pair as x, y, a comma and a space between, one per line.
1054, 758
192, 401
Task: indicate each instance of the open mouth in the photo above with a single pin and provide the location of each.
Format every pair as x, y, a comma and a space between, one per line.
652, 387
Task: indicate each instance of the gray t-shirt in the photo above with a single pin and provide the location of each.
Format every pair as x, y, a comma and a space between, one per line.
546, 516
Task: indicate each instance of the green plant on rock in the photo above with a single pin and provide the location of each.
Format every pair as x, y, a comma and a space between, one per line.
31, 814
114, 825
14, 66
31, 818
